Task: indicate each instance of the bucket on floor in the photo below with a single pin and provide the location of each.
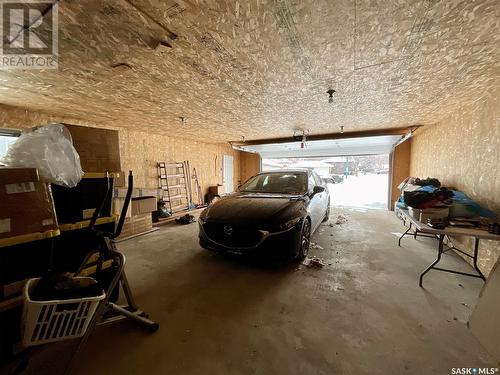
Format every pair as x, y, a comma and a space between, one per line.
50, 321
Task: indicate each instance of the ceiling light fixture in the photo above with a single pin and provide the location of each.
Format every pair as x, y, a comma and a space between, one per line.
330, 95
304, 140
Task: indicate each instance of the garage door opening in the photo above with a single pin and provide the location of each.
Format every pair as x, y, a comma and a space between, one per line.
353, 181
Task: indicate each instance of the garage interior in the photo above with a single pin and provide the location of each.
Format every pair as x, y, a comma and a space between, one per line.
195, 94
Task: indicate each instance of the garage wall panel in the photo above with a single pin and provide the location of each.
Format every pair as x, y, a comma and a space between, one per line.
400, 169
250, 164
463, 150
140, 151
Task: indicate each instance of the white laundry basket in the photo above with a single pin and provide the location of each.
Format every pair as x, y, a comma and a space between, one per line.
49, 321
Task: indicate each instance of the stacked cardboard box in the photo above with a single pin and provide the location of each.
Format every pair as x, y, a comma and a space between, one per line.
99, 149
136, 224
139, 218
26, 204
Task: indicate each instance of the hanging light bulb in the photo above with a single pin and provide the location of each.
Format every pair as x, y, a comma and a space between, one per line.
330, 95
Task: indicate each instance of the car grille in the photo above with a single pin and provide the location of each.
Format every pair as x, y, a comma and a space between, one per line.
232, 236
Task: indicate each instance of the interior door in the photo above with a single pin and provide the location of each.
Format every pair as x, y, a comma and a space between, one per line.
228, 174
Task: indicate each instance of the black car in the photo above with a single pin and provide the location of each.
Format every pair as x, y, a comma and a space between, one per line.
272, 213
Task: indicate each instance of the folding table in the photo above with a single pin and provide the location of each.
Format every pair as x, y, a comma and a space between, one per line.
423, 230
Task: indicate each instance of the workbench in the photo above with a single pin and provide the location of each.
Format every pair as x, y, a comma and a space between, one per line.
423, 230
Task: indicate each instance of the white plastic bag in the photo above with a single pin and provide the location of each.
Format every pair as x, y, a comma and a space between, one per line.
49, 148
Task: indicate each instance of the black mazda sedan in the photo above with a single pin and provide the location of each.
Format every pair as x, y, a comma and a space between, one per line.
272, 213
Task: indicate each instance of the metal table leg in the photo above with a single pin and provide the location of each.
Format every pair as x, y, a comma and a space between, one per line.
440, 252
479, 274
476, 252
404, 234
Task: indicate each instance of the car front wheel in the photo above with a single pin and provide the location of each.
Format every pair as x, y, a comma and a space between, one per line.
327, 214
305, 240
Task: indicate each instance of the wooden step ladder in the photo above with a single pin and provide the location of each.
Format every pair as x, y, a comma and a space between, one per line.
172, 181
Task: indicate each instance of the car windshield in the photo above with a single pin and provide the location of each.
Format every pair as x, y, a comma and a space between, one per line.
277, 183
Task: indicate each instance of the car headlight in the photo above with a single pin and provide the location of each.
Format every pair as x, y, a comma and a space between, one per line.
289, 224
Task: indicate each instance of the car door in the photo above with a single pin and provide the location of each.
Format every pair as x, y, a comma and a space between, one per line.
325, 201
314, 204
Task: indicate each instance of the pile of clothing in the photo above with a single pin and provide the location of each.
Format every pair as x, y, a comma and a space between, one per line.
428, 193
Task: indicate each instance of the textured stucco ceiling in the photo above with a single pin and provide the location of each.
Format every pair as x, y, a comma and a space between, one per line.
261, 68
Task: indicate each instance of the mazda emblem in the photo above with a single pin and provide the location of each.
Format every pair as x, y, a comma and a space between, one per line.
228, 230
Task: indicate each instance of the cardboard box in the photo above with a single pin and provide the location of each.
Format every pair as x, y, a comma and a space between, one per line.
137, 206
136, 224
99, 149
121, 192
121, 179
143, 205
118, 205
26, 204
149, 193
216, 190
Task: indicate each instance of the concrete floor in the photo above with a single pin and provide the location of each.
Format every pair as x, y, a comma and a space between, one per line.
363, 313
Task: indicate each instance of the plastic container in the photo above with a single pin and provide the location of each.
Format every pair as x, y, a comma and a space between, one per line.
425, 214
50, 321
462, 210
434, 213
414, 212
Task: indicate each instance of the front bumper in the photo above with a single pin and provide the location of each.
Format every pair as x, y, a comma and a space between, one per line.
284, 243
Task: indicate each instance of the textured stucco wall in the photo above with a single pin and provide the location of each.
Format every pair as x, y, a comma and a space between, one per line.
463, 150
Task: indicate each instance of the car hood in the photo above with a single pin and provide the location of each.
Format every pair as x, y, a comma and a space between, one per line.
262, 209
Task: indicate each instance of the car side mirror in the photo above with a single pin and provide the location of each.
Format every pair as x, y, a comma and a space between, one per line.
318, 189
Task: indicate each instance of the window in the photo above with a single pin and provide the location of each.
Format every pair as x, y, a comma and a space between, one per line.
276, 183
317, 179
311, 184
6, 138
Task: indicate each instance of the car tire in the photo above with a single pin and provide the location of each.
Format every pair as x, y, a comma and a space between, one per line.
327, 215
305, 240
203, 244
